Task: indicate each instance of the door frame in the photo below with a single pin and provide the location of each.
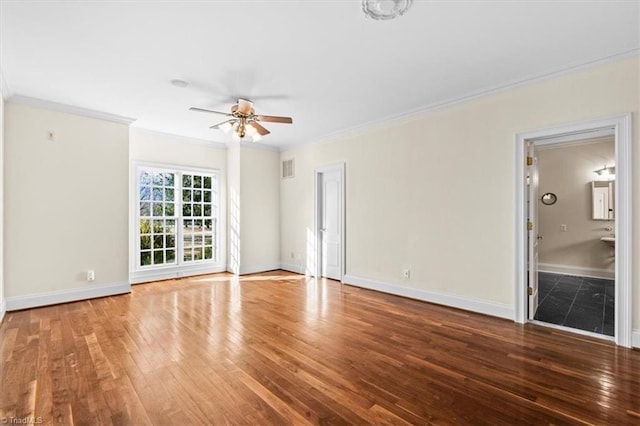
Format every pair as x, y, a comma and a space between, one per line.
317, 215
622, 128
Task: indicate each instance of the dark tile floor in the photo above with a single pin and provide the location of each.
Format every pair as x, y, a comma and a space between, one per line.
577, 302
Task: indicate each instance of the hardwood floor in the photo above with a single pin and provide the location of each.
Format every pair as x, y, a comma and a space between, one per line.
280, 349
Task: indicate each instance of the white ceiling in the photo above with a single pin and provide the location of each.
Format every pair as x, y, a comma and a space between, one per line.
321, 62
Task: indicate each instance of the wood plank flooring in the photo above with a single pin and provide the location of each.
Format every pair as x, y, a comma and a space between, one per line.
278, 348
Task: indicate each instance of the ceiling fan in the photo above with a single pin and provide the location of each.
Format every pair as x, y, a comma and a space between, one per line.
244, 120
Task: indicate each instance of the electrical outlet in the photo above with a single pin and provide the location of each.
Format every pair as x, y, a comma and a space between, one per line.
406, 273
91, 275
563, 228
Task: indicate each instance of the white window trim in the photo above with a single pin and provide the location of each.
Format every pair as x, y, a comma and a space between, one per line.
139, 274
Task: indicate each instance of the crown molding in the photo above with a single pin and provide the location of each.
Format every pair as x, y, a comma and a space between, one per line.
180, 138
416, 113
69, 109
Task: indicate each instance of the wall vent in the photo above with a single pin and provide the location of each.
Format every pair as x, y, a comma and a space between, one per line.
288, 168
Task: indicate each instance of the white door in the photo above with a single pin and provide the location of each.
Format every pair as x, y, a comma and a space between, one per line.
533, 232
331, 224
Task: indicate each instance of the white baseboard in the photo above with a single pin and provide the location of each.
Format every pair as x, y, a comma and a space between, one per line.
577, 271
139, 277
635, 338
63, 296
292, 267
254, 269
466, 303
3, 309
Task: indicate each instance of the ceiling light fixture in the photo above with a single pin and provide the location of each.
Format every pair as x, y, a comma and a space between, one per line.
383, 10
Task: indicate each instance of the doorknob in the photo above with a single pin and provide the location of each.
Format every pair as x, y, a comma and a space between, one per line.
539, 236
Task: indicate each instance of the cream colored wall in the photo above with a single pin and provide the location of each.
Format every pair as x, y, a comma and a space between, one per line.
567, 171
260, 207
435, 192
153, 147
66, 201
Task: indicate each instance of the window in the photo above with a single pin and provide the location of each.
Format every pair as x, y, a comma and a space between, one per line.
177, 217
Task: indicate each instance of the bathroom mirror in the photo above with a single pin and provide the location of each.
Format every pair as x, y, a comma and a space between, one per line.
602, 194
549, 198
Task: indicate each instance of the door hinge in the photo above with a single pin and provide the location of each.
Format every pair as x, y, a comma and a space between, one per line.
529, 226
529, 291
529, 161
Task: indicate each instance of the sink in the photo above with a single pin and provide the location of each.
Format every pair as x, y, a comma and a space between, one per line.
609, 240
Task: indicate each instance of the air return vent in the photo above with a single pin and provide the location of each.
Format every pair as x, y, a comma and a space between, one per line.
288, 168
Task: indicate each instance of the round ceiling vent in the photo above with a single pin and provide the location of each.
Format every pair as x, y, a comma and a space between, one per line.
385, 9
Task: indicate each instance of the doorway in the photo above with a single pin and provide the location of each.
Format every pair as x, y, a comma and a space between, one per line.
620, 126
330, 221
571, 244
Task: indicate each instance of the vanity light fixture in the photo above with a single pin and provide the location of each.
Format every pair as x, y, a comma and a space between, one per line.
385, 9
606, 173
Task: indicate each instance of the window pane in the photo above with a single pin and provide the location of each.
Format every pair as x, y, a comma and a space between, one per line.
169, 210
169, 194
186, 181
208, 253
145, 242
197, 195
187, 240
158, 179
145, 226
157, 209
170, 227
145, 178
197, 253
158, 242
197, 181
187, 224
207, 196
197, 240
145, 258
197, 209
188, 255
170, 241
145, 193
158, 226
207, 182
186, 195
208, 224
158, 257
197, 225
157, 194
208, 240
186, 210
145, 209
171, 256
168, 179
207, 210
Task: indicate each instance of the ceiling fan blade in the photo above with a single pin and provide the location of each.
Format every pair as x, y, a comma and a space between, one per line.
244, 106
259, 128
217, 126
274, 119
208, 110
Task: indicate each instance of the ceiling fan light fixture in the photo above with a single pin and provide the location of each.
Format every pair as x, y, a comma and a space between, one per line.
383, 10
225, 127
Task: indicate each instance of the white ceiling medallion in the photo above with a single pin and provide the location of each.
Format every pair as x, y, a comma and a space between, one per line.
385, 9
